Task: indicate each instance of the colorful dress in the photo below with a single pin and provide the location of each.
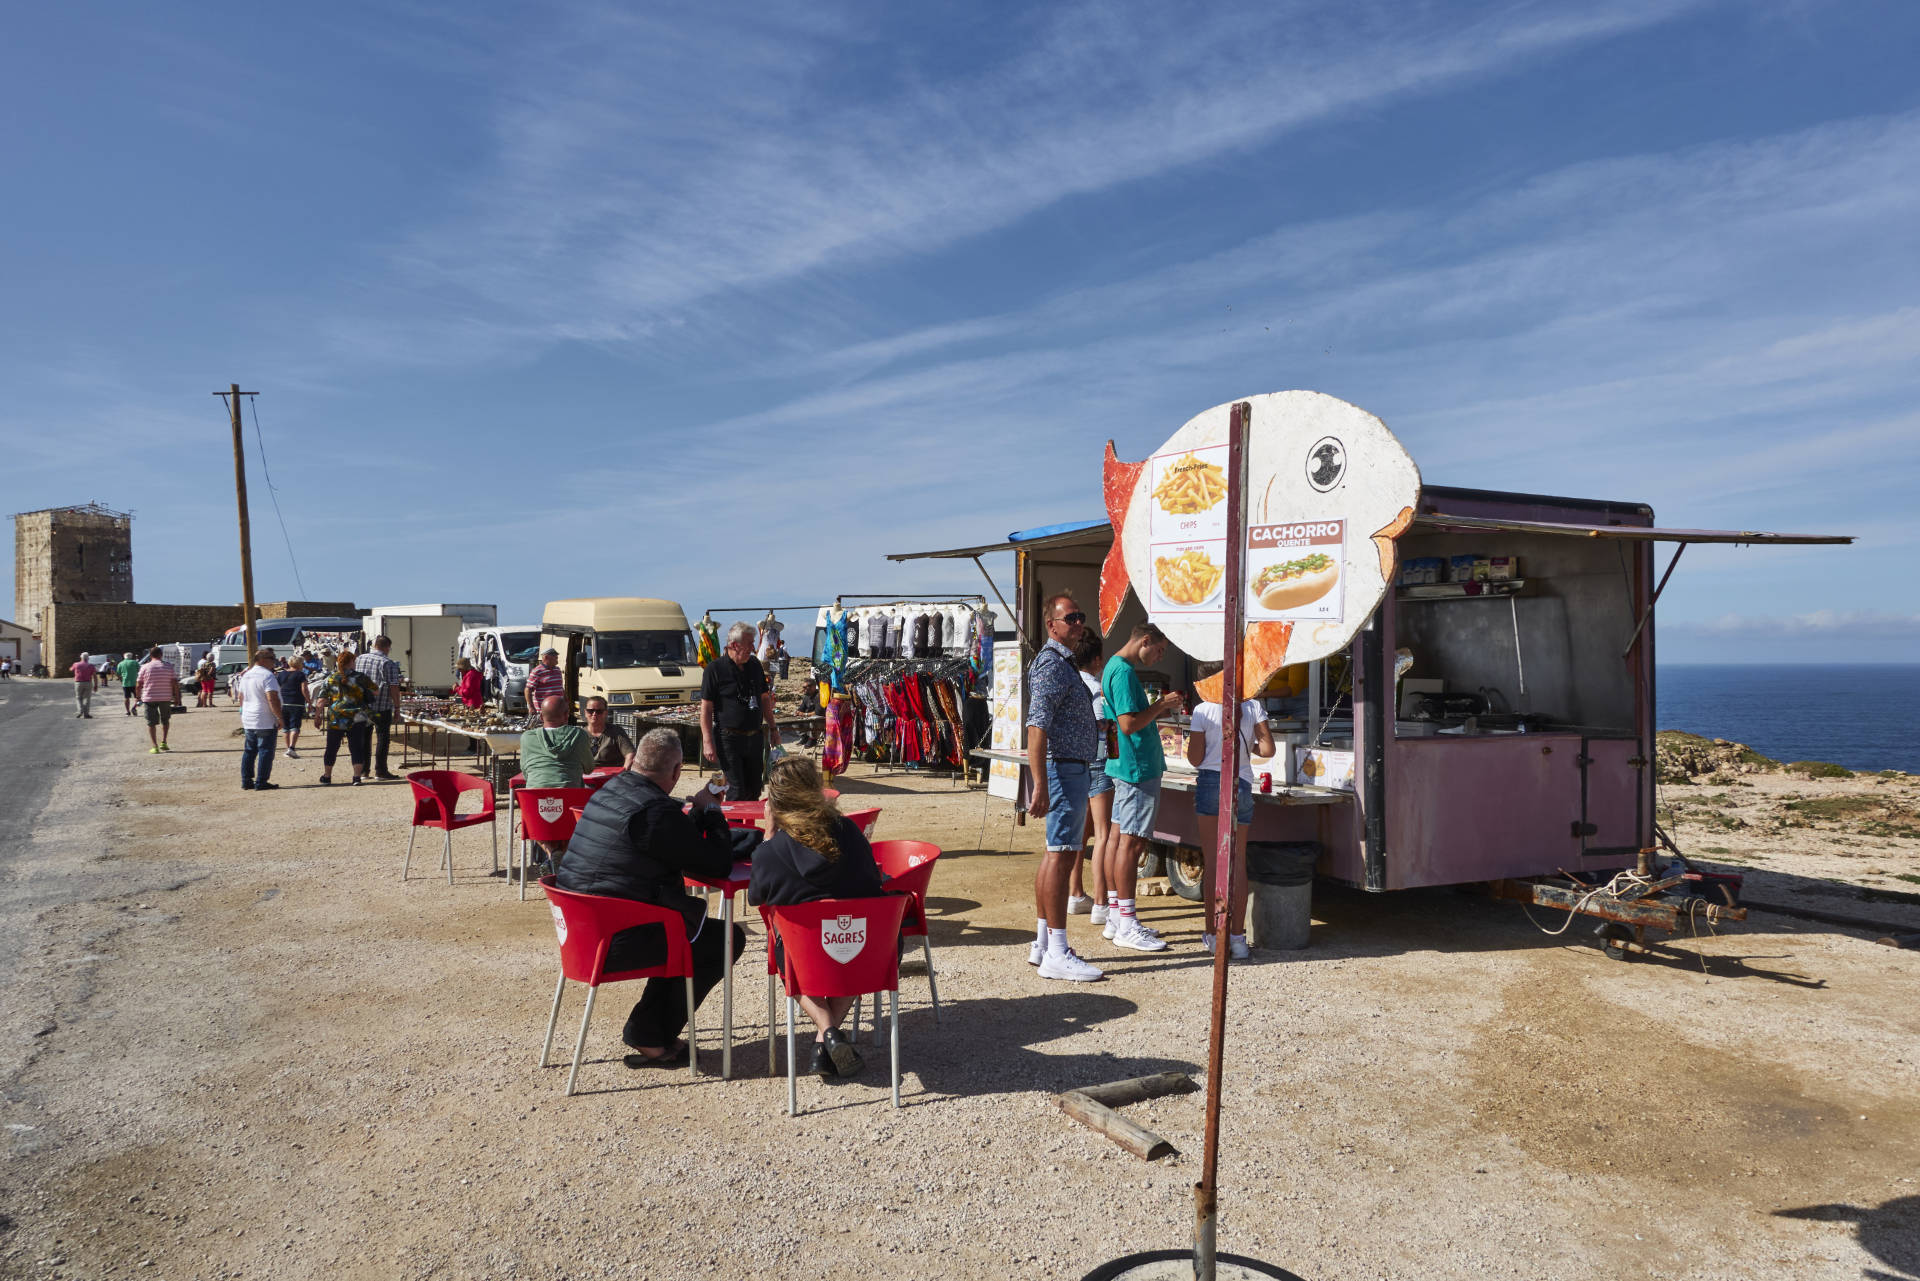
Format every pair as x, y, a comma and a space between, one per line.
706, 640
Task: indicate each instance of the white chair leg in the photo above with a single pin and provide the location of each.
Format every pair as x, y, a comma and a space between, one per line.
773, 1064
546, 1046
447, 858
933, 984
793, 1086
408, 862
896, 1046
693, 1037
856, 1018
581, 1044
494, 827
523, 869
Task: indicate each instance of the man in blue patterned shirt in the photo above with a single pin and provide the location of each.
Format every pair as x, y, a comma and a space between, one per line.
1062, 740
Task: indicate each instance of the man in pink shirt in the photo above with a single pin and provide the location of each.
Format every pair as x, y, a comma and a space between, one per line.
83, 674
158, 687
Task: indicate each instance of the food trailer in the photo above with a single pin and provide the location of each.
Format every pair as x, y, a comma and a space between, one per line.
1498, 706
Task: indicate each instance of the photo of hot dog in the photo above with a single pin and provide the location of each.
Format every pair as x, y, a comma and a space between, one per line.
1293, 583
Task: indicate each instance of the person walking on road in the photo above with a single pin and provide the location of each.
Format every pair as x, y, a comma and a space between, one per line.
1062, 741
545, 681
6, 669
158, 686
736, 715
83, 674
292, 680
261, 717
385, 674
128, 669
1136, 776
345, 698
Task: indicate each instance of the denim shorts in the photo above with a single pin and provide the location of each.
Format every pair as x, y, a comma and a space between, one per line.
1067, 809
1098, 784
1134, 805
1206, 797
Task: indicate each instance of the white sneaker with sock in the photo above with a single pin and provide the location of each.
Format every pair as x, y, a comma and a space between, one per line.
1078, 905
1036, 954
1206, 942
1099, 914
1237, 947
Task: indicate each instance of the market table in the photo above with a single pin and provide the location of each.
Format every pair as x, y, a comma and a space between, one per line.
735, 882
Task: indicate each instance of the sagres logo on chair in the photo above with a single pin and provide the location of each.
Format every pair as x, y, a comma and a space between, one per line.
551, 808
559, 922
843, 937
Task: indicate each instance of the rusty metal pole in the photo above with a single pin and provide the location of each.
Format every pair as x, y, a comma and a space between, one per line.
1206, 1192
246, 540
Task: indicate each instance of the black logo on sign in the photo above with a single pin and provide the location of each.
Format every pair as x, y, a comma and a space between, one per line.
1326, 463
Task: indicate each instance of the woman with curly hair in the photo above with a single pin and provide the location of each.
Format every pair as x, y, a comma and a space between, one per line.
813, 852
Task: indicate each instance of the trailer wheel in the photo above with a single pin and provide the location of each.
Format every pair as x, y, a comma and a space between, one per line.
1183, 872
1614, 938
1153, 859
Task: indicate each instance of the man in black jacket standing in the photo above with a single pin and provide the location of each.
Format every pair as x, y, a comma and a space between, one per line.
635, 841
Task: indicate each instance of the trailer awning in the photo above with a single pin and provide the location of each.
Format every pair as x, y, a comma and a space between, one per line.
1640, 533
1078, 531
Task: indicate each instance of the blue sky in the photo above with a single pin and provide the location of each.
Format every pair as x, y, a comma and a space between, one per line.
724, 306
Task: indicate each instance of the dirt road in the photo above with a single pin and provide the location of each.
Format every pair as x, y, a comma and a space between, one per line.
239, 1046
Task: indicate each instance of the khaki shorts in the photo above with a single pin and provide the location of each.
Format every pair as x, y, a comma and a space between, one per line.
159, 713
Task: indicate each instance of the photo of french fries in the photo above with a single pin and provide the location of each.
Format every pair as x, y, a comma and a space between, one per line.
1188, 578
1191, 485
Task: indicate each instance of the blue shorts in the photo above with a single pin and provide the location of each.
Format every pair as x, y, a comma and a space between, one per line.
1098, 783
1067, 804
1206, 797
1134, 805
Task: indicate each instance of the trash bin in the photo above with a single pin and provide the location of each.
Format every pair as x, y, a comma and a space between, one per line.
1280, 892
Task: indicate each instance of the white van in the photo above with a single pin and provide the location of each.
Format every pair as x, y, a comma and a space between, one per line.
632, 651
502, 656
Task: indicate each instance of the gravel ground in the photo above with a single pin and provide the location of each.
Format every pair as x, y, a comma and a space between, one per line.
269, 1057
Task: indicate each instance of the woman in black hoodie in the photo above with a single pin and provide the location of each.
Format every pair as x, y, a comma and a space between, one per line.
813, 852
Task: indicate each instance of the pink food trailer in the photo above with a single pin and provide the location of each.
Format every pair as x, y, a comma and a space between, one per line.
1498, 707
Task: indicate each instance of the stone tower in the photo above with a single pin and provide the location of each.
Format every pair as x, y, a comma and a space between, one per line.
70, 554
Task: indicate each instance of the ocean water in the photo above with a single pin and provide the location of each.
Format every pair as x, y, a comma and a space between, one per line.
1863, 716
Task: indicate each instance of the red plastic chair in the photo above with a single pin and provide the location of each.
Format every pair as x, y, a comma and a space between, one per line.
547, 814
586, 924
436, 798
837, 947
908, 867
864, 820
595, 779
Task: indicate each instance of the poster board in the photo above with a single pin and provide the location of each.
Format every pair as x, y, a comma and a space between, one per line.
1003, 777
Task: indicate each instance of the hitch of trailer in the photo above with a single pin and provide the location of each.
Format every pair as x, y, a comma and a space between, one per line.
1625, 908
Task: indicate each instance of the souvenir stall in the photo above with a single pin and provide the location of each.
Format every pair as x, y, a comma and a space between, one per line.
904, 683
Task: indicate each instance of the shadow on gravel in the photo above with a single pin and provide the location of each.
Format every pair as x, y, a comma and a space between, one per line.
1890, 1232
984, 1046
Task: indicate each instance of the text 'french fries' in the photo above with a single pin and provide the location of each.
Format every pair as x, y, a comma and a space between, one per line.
1191, 485
1187, 579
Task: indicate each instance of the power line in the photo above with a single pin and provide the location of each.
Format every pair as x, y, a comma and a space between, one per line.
274, 494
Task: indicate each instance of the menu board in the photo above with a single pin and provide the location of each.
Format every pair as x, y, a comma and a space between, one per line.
1294, 570
1188, 496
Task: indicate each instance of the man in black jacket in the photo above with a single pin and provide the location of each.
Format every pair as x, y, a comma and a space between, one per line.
635, 841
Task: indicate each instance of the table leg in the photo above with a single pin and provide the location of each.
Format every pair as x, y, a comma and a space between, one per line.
726, 986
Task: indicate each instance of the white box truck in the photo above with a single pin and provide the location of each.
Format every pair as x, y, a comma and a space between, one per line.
470, 615
423, 645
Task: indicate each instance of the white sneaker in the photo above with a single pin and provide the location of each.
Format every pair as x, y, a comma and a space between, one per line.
1078, 905
1036, 954
1113, 923
1206, 942
1068, 965
1237, 947
1140, 940
1099, 914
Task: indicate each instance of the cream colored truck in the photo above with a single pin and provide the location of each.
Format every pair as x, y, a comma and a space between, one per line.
633, 651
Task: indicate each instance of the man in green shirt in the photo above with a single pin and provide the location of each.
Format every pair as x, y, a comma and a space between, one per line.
554, 754
1136, 778
129, 669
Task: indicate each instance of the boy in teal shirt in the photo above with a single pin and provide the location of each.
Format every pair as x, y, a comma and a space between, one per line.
1136, 778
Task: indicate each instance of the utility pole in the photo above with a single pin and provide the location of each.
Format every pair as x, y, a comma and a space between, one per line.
246, 540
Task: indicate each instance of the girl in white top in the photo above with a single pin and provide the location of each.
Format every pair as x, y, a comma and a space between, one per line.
1204, 735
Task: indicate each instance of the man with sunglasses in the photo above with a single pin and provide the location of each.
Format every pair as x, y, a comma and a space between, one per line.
1062, 741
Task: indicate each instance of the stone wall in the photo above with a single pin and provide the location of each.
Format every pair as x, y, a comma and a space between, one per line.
70, 627
309, 609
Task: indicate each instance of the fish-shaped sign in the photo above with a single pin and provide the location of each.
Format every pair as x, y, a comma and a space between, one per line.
1328, 489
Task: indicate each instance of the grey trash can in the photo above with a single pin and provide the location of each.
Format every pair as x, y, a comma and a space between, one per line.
1280, 893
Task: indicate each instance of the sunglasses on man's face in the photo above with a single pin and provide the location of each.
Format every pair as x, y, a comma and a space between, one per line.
1073, 619
596, 711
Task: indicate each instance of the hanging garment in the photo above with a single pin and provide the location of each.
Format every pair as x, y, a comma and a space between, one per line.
837, 624
877, 636
897, 636
839, 736
706, 641
936, 628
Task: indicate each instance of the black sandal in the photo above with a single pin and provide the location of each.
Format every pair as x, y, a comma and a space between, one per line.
677, 1057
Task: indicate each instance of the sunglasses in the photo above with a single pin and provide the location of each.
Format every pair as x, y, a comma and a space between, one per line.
1074, 618
596, 711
